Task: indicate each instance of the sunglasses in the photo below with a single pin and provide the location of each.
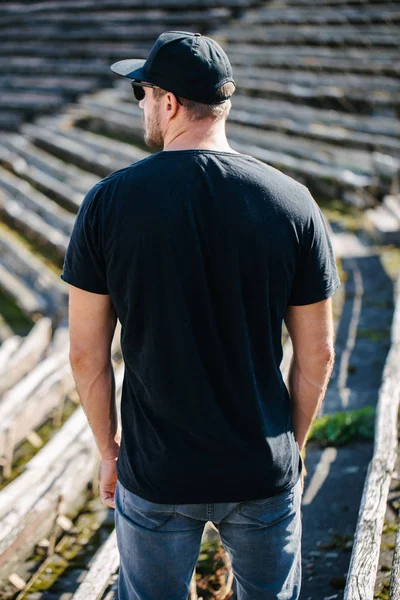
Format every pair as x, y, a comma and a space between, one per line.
139, 92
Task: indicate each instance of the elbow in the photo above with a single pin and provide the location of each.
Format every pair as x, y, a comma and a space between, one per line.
79, 358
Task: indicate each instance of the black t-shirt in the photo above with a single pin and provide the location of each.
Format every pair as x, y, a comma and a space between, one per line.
201, 252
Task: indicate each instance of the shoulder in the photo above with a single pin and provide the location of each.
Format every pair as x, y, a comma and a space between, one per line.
106, 187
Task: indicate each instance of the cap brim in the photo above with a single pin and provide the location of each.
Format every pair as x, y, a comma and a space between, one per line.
132, 68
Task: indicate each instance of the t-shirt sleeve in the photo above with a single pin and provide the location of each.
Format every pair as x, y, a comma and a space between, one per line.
84, 265
316, 276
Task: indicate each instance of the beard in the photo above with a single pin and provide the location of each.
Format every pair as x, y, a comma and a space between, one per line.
153, 137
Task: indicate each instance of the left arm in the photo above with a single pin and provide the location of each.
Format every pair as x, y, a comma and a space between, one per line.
92, 322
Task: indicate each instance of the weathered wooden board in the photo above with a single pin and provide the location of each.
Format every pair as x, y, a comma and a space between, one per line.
7, 350
52, 483
104, 565
366, 549
28, 354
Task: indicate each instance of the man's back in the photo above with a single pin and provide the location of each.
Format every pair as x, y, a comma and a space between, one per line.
201, 252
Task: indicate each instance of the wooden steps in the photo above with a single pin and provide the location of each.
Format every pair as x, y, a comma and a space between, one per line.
29, 353
34, 275
380, 36
318, 59
34, 214
63, 183
366, 549
52, 484
339, 15
89, 151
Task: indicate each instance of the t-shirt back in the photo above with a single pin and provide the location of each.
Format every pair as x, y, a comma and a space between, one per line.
201, 252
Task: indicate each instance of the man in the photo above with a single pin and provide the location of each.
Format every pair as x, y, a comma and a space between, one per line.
201, 252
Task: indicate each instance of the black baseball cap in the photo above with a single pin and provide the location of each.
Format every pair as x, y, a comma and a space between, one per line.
187, 64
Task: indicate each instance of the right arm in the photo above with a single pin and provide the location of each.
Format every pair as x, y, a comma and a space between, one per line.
311, 330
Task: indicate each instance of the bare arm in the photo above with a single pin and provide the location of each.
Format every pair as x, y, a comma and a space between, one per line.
312, 333
92, 323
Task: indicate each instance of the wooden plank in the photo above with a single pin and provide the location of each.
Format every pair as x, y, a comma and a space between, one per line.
31, 224
345, 81
87, 150
29, 353
85, 5
30, 103
338, 96
310, 116
28, 300
394, 591
37, 275
210, 16
383, 225
363, 35
52, 483
68, 87
341, 15
45, 170
105, 564
365, 555
29, 198
7, 350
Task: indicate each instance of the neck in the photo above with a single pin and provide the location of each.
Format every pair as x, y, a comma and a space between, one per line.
200, 137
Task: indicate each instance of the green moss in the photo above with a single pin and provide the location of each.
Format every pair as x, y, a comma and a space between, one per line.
389, 527
344, 427
346, 215
339, 583
341, 541
374, 335
52, 261
390, 258
14, 317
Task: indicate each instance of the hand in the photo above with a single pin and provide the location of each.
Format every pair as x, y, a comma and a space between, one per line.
108, 480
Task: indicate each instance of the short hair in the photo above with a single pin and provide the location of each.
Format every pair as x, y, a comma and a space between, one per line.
199, 110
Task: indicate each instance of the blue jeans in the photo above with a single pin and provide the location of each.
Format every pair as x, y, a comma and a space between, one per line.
159, 545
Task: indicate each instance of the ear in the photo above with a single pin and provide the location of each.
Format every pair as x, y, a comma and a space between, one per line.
171, 105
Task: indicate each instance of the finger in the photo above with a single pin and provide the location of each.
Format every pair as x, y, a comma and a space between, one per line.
109, 502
